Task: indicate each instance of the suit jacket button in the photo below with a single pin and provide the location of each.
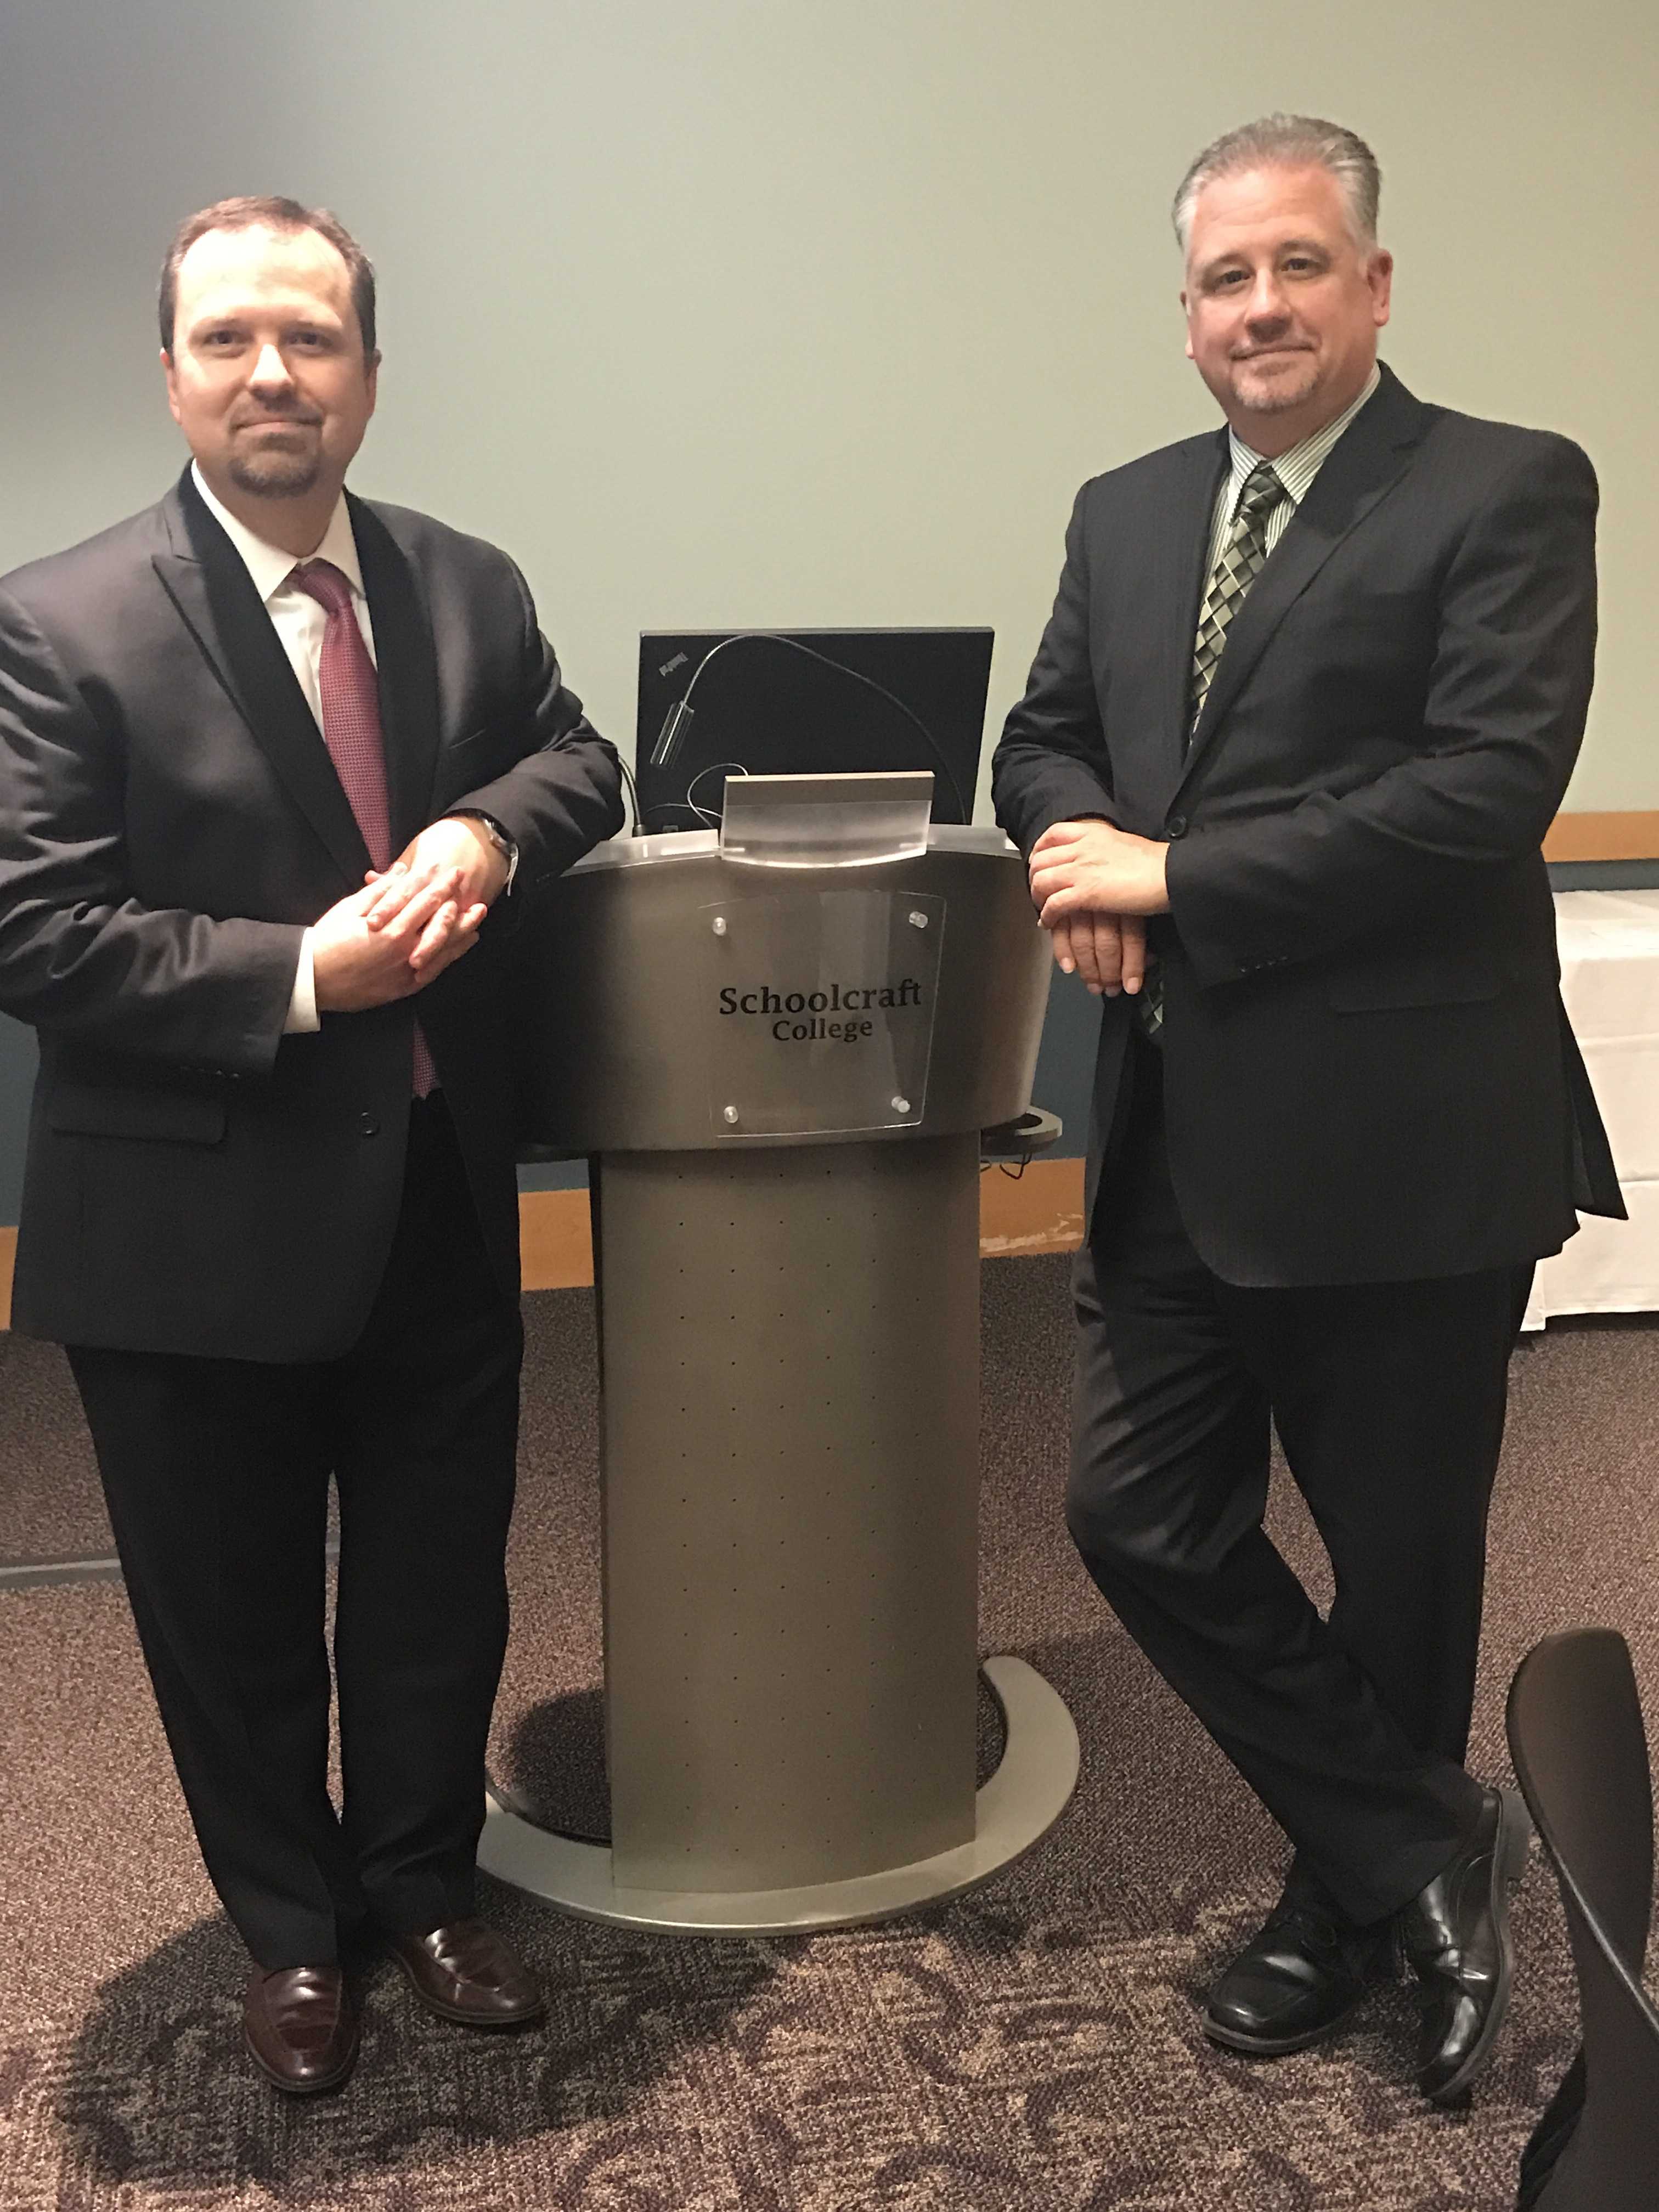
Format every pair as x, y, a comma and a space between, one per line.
1175, 826
368, 1126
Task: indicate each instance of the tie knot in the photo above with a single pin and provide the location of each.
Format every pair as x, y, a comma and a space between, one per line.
1262, 490
329, 586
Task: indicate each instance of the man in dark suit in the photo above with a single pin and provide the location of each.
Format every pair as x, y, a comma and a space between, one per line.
1310, 694
279, 769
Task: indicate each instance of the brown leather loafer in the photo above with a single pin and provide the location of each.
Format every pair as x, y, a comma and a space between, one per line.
466, 1973
300, 2028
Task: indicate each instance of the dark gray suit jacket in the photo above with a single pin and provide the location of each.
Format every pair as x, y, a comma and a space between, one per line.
170, 820
1368, 1073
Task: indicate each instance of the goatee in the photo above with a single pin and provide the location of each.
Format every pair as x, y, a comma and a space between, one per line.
275, 475
1267, 396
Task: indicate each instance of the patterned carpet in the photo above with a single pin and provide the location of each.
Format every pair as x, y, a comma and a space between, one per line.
1034, 2048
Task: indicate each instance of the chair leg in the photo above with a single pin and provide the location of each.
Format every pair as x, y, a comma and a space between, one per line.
1552, 2136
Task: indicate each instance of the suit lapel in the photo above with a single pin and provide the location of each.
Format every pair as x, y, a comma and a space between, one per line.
407, 659
1184, 543
209, 584
1370, 456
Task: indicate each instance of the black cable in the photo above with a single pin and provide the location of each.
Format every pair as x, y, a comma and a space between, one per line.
680, 712
654, 821
633, 794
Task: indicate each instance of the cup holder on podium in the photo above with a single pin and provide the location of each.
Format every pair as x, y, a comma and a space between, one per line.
1014, 1143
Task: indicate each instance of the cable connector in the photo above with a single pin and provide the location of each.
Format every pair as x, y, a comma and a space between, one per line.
673, 729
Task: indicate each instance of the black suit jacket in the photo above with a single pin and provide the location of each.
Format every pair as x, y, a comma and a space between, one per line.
170, 820
1368, 1073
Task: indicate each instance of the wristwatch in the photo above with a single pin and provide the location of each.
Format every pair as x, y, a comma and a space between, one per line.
497, 835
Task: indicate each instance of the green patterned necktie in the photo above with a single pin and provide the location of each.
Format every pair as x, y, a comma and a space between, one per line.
1238, 565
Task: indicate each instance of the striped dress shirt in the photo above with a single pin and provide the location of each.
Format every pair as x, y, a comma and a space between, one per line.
1294, 470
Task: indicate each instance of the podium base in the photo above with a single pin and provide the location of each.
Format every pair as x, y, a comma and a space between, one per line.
1016, 1807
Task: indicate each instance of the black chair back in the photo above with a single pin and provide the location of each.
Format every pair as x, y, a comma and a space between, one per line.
1581, 1755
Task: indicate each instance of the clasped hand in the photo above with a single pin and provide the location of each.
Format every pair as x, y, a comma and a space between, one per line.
408, 923
1093, 886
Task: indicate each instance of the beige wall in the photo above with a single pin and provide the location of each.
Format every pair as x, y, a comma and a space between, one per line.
817, 311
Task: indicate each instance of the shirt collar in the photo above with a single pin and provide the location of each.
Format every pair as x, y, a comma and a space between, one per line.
1297, 469
269, 565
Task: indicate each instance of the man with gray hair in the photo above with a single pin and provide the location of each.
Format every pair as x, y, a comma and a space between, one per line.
1310, 696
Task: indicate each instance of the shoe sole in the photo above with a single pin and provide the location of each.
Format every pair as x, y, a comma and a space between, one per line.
1279, 2046
1509, 1864
319, 2088
458, 2013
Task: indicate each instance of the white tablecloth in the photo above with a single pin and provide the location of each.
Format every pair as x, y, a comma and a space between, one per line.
1609, 943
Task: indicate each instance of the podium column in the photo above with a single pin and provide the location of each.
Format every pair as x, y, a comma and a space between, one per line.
782, 1072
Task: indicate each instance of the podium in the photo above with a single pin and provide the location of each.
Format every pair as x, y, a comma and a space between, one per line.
779, 1045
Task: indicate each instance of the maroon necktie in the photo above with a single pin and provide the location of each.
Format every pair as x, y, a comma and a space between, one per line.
351, 730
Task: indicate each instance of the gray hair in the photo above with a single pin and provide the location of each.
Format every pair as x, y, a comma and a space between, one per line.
1289, 142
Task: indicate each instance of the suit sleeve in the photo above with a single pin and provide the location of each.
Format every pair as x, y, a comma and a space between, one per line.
1052, 762
80, 956
1508, 694
564, 795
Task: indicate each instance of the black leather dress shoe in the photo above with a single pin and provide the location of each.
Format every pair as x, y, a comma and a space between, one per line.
1455, 1937
300, 2028
466, 1973
1298, 1979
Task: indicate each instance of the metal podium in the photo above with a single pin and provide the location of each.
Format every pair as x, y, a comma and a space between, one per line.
779, 1045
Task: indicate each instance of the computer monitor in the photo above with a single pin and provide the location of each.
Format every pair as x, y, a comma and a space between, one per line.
806, 701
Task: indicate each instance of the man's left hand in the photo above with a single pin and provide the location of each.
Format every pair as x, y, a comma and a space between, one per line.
456, 846
1090, 867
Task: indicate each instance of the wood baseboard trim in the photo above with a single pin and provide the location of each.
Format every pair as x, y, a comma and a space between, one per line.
556, 1240
1037, 1210
1040, 1211
1632, 835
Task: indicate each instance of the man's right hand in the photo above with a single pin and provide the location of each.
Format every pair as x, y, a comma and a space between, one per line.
1108, 950
355, 967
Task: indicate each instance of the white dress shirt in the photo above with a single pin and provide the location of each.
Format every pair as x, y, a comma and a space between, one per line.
299, 621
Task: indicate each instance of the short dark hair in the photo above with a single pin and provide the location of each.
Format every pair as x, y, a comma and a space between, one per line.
269, 211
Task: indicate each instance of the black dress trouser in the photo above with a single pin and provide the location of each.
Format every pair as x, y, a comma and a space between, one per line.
1389, 1400
216, 1475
